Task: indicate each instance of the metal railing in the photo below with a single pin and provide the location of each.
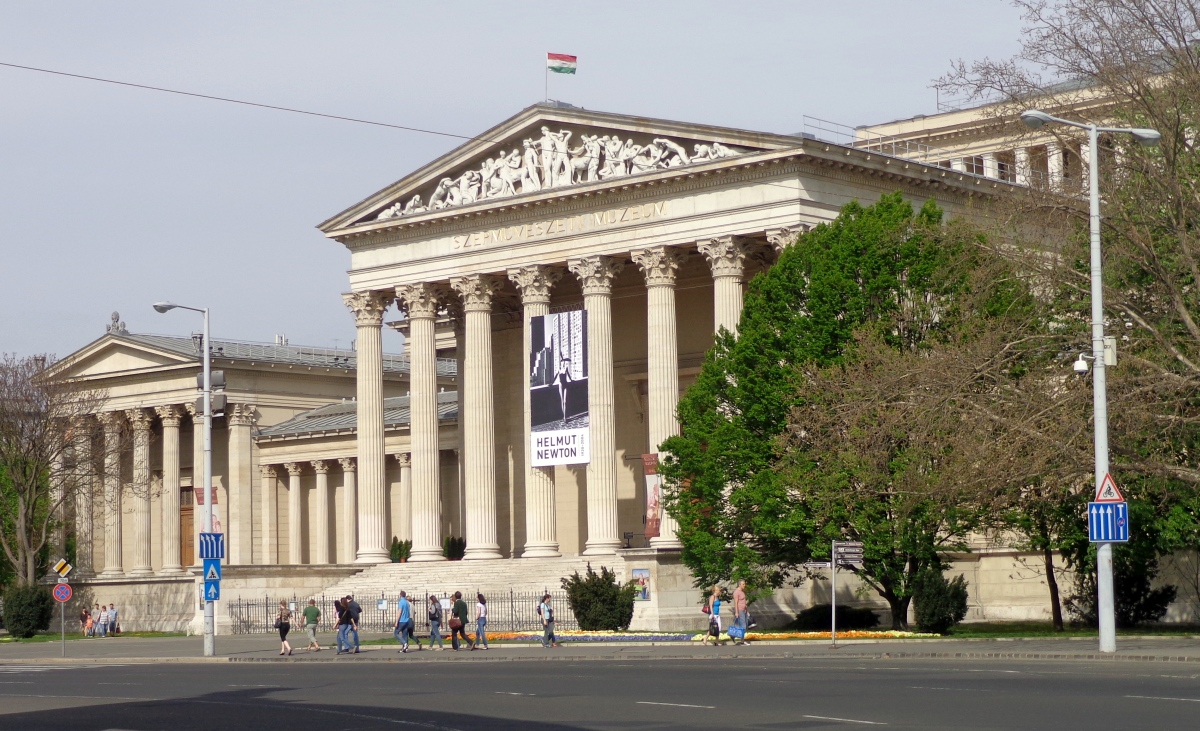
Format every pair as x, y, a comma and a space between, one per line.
510, 611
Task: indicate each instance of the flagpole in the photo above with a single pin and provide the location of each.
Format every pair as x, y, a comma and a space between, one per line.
546, 76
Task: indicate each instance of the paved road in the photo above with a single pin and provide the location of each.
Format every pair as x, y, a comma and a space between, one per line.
716, 693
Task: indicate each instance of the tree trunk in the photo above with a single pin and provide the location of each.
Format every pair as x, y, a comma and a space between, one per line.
1052, 583
899, 609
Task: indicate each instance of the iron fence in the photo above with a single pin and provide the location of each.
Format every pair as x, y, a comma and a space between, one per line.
509, 611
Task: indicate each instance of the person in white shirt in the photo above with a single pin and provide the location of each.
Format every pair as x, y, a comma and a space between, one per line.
480, 623
102, 622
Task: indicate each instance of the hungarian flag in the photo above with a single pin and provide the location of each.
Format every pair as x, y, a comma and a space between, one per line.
560, 63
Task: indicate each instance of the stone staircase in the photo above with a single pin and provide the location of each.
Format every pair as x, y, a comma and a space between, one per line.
487, 575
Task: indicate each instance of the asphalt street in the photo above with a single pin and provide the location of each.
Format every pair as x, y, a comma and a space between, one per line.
717, 693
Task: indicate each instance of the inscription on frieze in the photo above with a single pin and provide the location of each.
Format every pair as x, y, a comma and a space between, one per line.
584, 222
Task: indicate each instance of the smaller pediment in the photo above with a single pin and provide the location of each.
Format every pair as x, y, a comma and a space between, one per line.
548, 148
115, 355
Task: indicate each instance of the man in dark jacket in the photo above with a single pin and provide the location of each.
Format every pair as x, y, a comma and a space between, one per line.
459, 612
355, 614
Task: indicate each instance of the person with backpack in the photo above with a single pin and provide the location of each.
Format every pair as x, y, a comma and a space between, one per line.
547, 614
435, 623
458, 622
480, 623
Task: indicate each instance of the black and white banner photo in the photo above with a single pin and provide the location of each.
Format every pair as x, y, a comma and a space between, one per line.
558, 389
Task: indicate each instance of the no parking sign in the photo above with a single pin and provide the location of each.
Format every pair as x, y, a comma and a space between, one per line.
62, 593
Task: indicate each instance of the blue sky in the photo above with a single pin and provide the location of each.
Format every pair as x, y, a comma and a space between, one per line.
113, 198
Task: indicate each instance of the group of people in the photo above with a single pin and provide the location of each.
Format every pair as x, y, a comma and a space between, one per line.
741, 614
349, 613
100, 621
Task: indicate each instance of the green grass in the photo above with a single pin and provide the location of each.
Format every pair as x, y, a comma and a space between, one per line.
1000, 630
55, 637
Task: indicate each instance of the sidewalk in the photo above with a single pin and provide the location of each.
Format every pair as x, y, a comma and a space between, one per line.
265, 648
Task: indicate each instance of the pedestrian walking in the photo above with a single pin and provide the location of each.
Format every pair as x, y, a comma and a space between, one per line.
312, 615
405, 623
345, 623
741, 613
547, 613
283, 623
114, 625
103, 622
356, 615
714, 616
458, 622
480, 623
435, 623
89, 629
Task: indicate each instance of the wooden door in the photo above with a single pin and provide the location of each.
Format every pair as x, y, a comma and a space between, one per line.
187, 538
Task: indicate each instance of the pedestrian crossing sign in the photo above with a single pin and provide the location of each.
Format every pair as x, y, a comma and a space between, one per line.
212, 569
1108, 492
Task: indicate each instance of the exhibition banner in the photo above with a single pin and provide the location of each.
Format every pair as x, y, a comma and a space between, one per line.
558, 389
653, 495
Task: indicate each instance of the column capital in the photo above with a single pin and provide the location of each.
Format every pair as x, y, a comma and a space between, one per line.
196, 414
596, 273
781, 238
110, 419
659, 264
368, 306
170, 414
320, 466
726, 255
476, 291
535, 282
294, 468
240, 415
267, 471
348, 464
420, 300
404, 458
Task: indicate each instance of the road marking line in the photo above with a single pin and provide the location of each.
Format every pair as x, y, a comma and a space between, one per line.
676, 705
1161, 698
846, 720
502, 692
939, 687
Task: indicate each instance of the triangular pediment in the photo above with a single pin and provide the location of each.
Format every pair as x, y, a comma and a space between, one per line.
114, 355
549, 148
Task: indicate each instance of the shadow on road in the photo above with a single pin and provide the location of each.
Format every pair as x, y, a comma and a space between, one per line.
251, 709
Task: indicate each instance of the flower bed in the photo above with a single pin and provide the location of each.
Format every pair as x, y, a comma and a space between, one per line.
582, 636
848, 635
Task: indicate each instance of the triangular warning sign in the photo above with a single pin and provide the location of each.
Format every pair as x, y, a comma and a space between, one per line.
212, 574
1108, 492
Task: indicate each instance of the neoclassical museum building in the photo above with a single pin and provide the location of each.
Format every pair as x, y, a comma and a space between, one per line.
323, 456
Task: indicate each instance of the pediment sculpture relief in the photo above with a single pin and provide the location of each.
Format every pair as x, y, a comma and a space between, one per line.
550, 161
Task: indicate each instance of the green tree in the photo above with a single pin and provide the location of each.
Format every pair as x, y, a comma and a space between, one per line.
598, 601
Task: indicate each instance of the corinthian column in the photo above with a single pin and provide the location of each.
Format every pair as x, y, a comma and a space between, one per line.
320, 513
171, 417
295, 508
727, 256
141, 422
368, 310
111, 421
240, 533
420, 301
199, 493
85, 496
349, 509
270, 516
596, 274
404, 530
541, 535
660, 264
479, 420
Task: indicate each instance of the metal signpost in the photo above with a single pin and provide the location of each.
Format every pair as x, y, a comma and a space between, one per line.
62, 594
849, 553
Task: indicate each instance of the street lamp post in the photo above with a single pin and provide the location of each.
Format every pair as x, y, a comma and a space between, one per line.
209, 607
1035, 119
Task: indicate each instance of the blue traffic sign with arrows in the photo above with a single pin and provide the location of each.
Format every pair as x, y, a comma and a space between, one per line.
1108, 522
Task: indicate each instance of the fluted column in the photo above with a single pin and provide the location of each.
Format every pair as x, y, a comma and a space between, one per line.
1054, 164
404, 530
85, 496
541, 532
111, 421
727, 258
239, 532
1021, 163
199, 493
368, 310
171, 417
349, 509
596, 274
320, 513
295, 510
270, 516
660, 264
991, 167
141, 422
420, 301
479, 420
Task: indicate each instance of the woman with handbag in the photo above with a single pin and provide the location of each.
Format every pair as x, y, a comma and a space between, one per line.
283, 623
713, 609
458, 622
435, 622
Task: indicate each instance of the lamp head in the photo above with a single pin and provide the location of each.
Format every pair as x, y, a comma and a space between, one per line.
1034, 118
164, 306
1081, 365
1146, 137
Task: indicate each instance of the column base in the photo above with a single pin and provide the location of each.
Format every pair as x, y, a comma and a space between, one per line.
426, 555
602, 548
373, 556
171, 571
111, 574
482, 552
141, 571
672, 544
541, 550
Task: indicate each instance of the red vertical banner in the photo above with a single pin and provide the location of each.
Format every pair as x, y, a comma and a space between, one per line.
653, 495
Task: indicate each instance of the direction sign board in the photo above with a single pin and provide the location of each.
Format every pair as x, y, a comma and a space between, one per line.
212, 591
1108, 522
212, 545
62, 593
212, 569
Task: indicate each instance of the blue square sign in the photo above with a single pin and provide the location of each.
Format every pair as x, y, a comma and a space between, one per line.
212, 545
1108, 522
212, 591
212, 569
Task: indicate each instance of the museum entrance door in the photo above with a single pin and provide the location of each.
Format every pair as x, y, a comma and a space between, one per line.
187, 538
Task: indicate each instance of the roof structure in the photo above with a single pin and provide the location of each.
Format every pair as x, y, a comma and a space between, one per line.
342, 417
